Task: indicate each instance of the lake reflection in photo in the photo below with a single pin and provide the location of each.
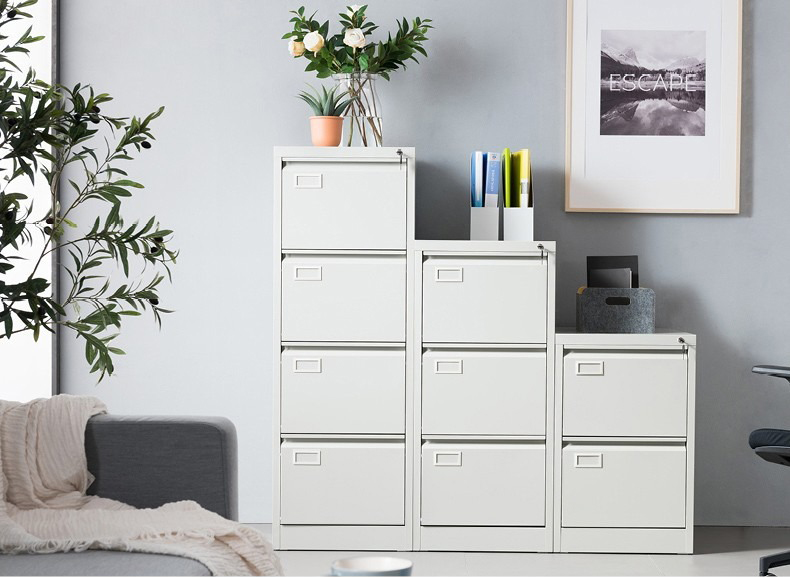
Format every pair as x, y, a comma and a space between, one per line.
654, 113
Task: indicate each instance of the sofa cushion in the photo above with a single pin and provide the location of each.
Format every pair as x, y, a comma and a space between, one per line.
100, 563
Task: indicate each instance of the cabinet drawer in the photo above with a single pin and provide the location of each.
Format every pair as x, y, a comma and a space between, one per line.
484, 300
495, 484
484, 392
342, 483
625, 393
344, 298
344, 205
627, 486
343, 390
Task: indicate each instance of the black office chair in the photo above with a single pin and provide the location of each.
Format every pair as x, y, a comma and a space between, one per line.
772, 445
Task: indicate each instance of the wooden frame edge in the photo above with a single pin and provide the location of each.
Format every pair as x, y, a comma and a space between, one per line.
738, 108
569, 128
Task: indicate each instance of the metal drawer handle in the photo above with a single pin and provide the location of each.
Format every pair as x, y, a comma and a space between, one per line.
308, 180
307, 365
447, 458
448, 274
308, 273
589, 368
588, 460
448, 366
304, 457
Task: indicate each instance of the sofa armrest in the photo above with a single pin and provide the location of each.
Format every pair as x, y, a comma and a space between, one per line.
149, 461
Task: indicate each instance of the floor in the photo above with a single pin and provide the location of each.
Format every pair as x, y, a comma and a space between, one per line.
719, 551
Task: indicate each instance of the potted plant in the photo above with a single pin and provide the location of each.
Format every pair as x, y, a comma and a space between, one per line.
355, 62
51, 134
326, 127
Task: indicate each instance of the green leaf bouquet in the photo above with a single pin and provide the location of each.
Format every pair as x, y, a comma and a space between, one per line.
350, 52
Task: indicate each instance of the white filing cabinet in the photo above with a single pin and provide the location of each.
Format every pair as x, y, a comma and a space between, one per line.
424, 402
624, 474
343, 451
483, 395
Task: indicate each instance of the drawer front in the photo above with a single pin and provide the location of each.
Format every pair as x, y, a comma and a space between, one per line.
627, 394
627, 486
342, 483
483, 392
343, 391
344, 298
483, 484
484, 300
344, 205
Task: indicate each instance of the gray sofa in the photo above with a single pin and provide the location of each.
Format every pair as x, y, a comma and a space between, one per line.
146, 462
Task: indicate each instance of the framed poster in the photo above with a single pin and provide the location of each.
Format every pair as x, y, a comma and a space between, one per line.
653, 106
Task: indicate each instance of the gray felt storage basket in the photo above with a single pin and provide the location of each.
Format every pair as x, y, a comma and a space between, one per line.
616, 310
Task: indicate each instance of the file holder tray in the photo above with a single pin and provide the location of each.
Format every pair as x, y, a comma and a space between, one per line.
615, 310
484, 223
495, 223
519, 223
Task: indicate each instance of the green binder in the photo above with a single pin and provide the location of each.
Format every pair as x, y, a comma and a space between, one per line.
507, 178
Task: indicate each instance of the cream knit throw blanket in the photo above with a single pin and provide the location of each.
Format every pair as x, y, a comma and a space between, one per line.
43, 479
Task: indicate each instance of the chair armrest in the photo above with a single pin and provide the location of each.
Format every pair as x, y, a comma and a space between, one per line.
149, 461
779, 455
772, 371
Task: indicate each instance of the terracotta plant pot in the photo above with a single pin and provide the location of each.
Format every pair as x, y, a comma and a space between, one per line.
326, 130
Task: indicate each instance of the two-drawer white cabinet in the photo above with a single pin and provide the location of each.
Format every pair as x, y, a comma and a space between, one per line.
625, 462
343, 221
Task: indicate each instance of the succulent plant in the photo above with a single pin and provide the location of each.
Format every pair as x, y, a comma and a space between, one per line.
327, 102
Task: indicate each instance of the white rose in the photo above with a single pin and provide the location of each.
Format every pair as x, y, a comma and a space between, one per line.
352, 10
354, 37
313, 41
296, 48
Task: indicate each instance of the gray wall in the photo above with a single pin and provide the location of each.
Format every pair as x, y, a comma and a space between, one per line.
228, 83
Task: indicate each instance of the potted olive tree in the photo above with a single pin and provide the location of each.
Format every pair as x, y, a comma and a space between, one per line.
62, 136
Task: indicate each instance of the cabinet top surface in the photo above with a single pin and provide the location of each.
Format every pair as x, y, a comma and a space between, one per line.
330, 152
662, 337
483, 246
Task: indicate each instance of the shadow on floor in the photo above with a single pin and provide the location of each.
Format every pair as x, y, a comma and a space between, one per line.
709, 540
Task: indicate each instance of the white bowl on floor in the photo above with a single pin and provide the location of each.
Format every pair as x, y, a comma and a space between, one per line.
355, 566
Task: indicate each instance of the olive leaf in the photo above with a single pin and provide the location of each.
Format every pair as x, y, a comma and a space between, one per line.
51, 131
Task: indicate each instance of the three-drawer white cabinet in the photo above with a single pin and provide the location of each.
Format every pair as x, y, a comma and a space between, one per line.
483, 395
423, 400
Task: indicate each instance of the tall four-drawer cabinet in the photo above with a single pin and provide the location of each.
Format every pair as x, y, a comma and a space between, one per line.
343, 221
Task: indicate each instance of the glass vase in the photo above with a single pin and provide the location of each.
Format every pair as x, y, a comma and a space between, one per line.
363, 124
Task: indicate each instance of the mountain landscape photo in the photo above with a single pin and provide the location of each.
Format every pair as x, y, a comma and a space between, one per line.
653, 83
